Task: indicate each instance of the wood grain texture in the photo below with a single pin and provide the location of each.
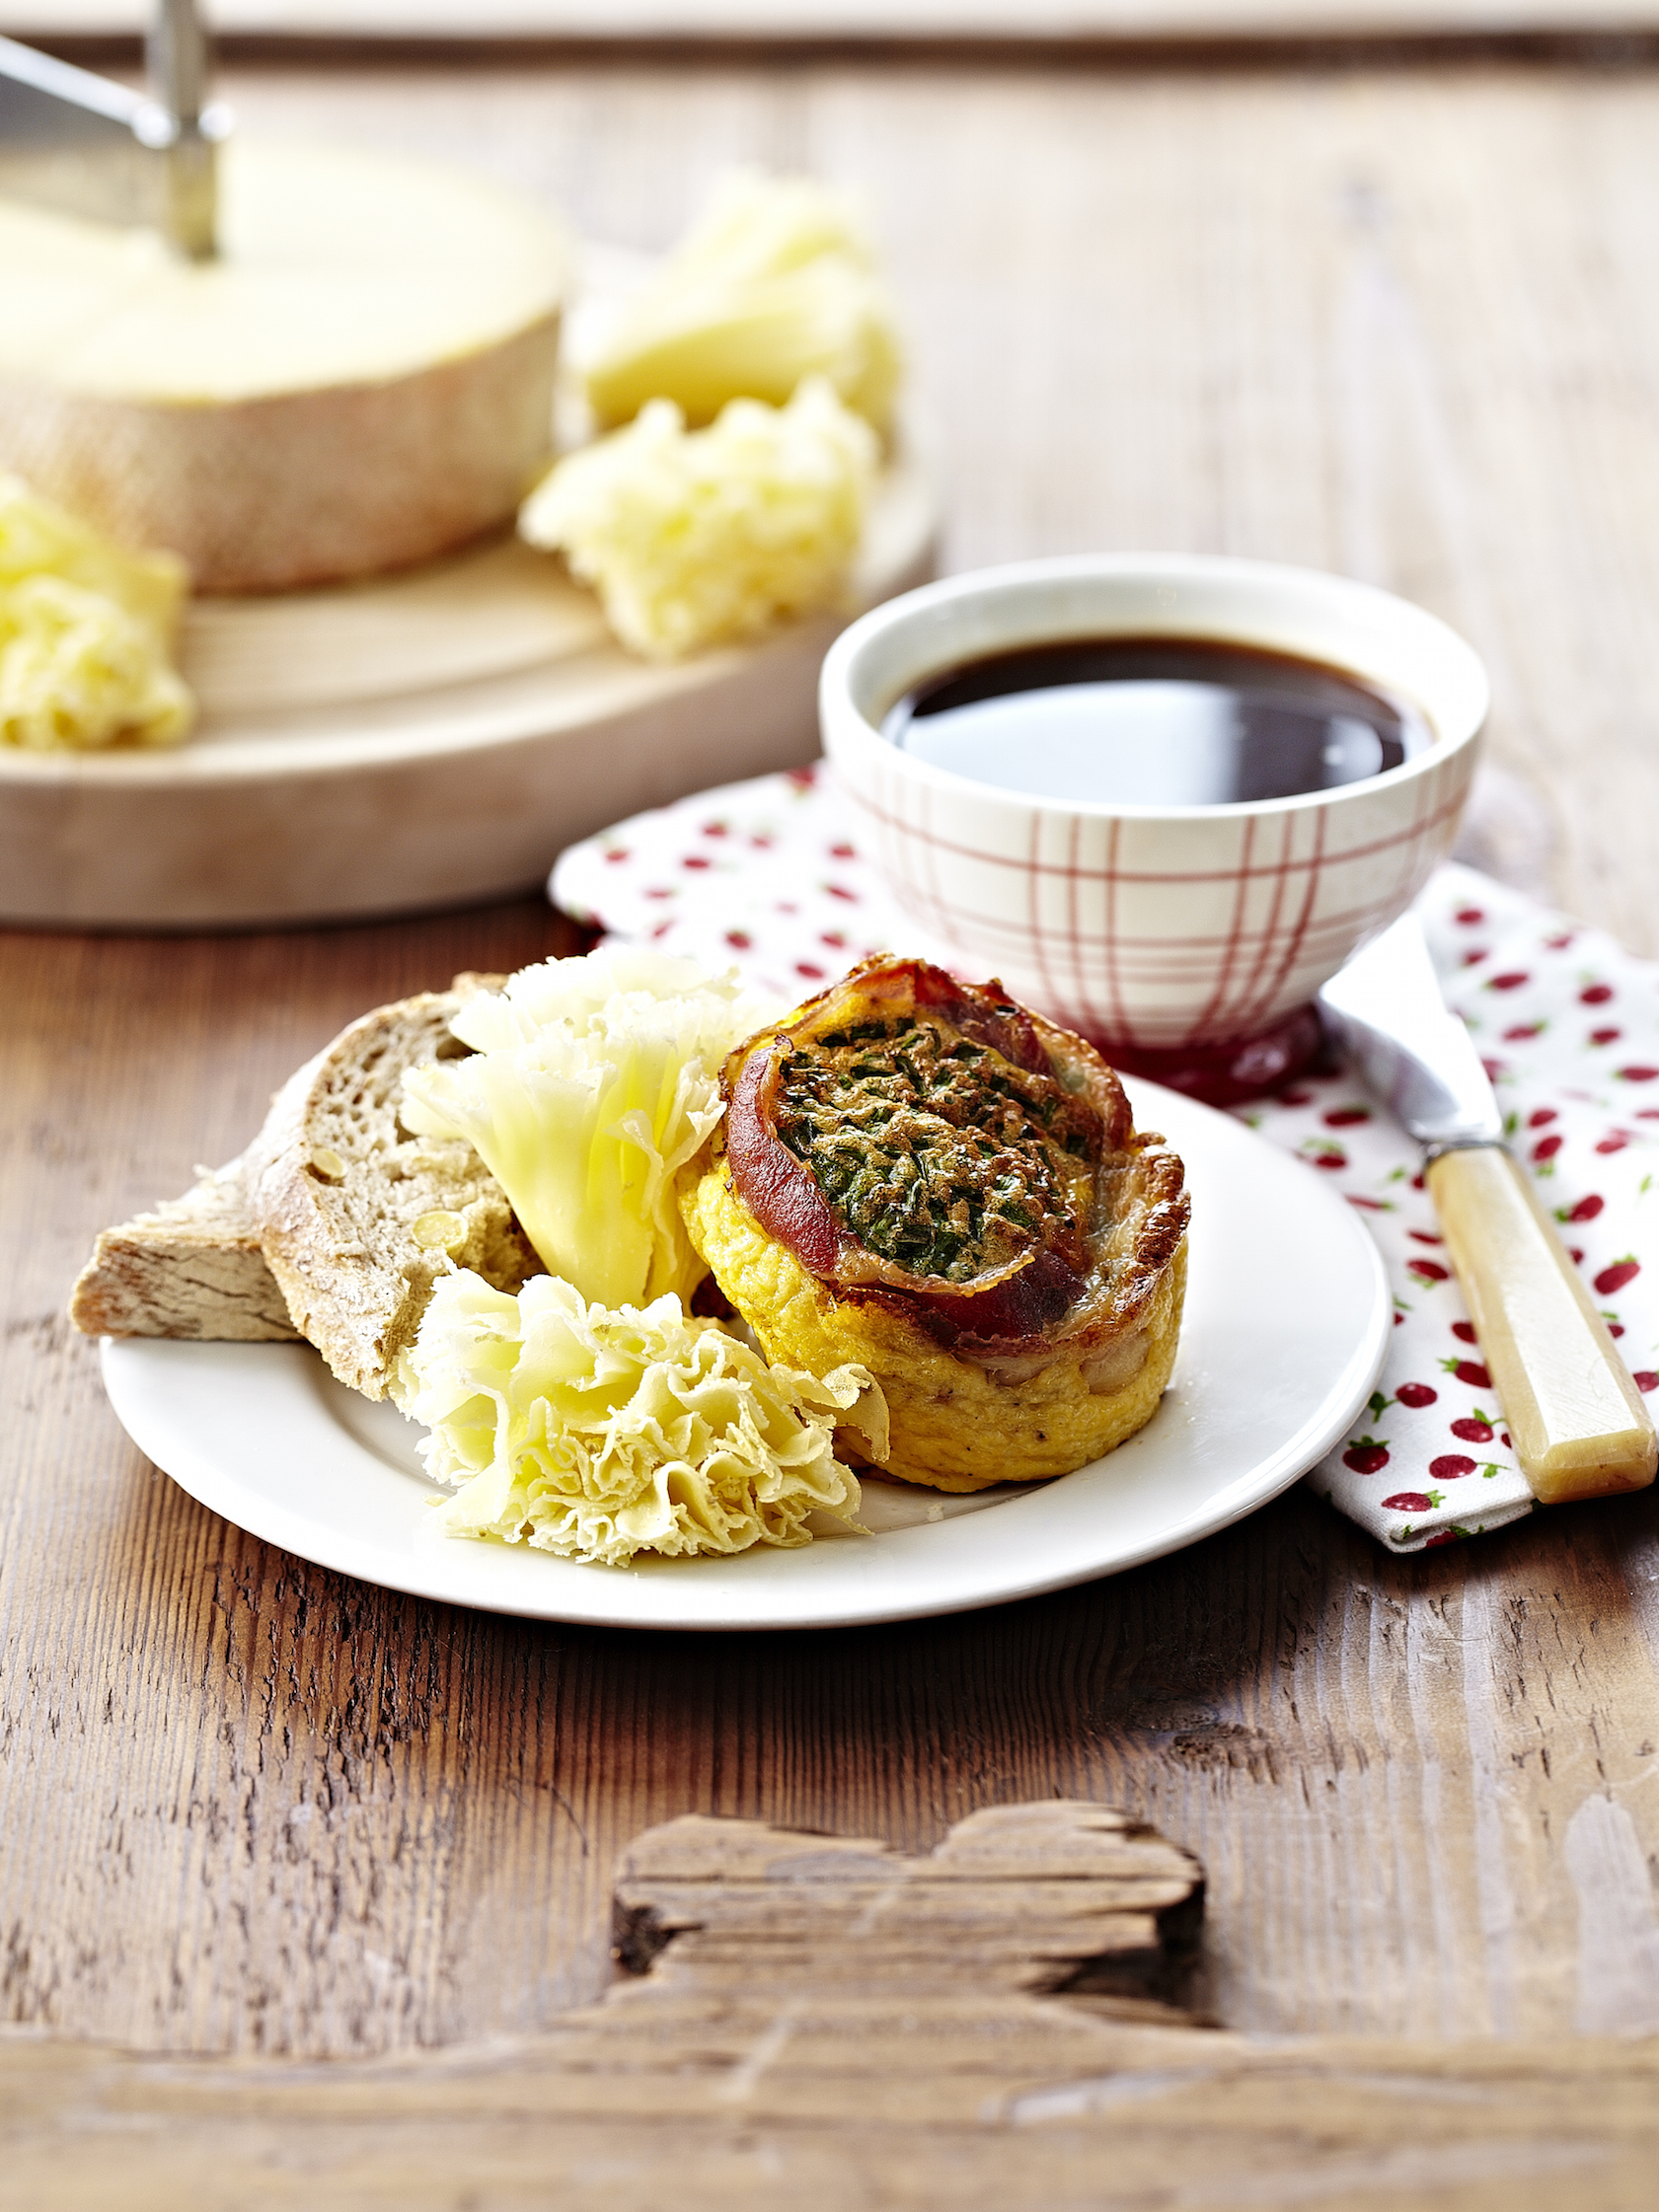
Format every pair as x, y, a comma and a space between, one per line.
819, 2020
1405, 326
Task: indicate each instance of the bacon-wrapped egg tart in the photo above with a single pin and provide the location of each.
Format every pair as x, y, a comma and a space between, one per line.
920, 1175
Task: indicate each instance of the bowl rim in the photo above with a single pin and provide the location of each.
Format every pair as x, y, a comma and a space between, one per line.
847, 729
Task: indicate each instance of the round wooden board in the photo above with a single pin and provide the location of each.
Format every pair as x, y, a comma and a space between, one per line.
423, 740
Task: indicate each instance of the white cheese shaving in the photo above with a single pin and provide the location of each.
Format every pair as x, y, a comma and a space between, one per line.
598, 1434
698, 537
594, 1082
85, 628
773, 284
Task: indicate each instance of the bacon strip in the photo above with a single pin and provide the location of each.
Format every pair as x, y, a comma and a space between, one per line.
777, 1189
1032, 1304
1026, 1300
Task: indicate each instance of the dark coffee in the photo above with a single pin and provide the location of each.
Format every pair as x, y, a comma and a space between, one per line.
1155, 721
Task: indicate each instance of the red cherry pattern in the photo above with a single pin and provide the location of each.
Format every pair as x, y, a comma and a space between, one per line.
1365, 1456
1449, 1437
1469, 1371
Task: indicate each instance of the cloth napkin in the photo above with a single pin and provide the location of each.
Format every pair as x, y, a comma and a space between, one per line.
767, 876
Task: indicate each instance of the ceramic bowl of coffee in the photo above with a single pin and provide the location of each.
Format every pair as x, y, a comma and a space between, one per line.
1162, 797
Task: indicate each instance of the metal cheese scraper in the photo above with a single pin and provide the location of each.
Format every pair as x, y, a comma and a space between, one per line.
1578, 1423
71, 139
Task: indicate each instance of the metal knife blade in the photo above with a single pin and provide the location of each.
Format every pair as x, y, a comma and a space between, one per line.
1386, 1013
74, 140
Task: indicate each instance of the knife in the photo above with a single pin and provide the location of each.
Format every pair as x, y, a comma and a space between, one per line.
74, 140
1578, 1423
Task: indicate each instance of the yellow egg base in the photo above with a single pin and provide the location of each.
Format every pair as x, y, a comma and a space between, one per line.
956, 1426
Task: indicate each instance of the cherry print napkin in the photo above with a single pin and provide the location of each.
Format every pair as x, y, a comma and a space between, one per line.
766, 876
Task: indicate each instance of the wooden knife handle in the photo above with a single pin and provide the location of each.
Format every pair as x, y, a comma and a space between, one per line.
1577, 1422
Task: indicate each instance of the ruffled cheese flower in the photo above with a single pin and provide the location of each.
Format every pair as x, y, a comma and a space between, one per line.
85, 632
773, 284
594, 1082
698, 538
599, 1433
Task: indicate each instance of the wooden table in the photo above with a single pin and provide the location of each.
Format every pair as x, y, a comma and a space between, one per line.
1403, 324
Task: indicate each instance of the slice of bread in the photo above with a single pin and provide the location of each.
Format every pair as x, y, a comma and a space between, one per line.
358, 1253
191, 1268
356, 1218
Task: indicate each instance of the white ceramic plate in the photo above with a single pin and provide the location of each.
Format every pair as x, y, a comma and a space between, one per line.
1287, 1317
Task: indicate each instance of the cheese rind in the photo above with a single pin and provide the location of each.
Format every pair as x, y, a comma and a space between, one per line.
363, 381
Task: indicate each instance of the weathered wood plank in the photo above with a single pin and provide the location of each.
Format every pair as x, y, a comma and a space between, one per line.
787, 2082
1029, 1897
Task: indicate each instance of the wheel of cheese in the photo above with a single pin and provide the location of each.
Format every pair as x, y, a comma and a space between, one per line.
362, 380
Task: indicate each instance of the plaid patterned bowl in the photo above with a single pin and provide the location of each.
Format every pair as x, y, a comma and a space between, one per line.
1152, 929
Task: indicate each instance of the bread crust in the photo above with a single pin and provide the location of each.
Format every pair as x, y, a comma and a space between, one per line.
189, 1268
356, 1217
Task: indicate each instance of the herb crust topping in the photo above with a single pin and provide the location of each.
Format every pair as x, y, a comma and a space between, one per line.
933, 1150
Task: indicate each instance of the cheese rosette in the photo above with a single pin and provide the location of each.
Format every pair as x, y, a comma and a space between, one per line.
601, 1433
921, 1176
